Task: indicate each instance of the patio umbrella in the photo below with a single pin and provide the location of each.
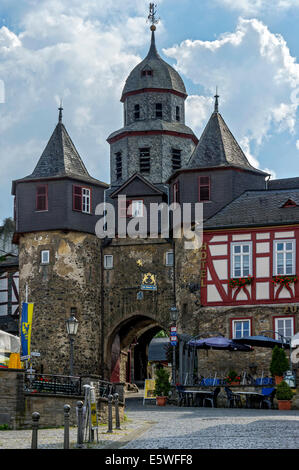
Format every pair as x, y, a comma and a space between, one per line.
219, 342
261, 341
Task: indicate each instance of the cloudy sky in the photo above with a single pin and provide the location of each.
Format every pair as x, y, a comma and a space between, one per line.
82, 51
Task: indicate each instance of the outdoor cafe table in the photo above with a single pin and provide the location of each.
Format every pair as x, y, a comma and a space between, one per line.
249, 396
204, 393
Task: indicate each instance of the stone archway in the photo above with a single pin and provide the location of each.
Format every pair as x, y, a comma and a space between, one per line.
126, 350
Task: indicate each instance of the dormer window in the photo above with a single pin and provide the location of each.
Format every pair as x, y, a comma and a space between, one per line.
289, 203
137, 111
146, 72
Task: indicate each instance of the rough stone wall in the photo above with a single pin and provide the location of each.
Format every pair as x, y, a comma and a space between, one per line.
72, 279
218, 319
124, 313
147, 102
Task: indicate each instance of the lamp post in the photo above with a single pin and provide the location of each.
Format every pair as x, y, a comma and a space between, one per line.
173, 338
72, 328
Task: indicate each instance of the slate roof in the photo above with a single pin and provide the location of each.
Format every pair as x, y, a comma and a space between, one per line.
284, 183
218, 147
155, 125
164, 76
257, 208
60, 159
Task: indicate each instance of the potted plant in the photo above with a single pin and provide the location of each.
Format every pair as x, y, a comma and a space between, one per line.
233, 378
162, 386
284, 396
279, 364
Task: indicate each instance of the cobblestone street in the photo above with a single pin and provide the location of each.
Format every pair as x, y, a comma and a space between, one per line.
172, 427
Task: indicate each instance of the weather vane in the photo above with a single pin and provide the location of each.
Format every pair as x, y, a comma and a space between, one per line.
152, 16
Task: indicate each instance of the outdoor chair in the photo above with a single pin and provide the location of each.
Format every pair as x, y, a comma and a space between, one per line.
213, 398
183, 398
269, 394
232, 398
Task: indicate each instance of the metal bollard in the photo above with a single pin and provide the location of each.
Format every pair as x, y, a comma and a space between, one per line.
35, 420
80, 425
110, 398
66, 442
117, 421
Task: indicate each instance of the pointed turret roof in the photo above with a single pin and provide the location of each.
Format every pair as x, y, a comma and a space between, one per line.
218, 147
60, 158
163, 75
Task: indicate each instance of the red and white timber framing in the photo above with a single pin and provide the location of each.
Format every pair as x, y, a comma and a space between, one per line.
216, 267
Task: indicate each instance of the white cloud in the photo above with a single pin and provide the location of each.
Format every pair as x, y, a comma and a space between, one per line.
80, 53
257, 78
297, 144
257, 6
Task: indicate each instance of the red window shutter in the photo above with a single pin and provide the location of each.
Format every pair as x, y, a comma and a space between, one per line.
77, 198
204, 188
42, 198
122, 207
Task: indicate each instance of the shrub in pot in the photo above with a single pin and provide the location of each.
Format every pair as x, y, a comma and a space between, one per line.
279, 363
284, 396
162, 386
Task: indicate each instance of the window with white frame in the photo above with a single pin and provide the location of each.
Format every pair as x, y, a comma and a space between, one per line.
108, 261
241, 263
86, 200
285, 327
284, 257
241, 328
137, 208
169, 258
45, 256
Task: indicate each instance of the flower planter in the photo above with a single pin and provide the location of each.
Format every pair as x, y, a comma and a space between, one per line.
284, 404
278, 379
161, 401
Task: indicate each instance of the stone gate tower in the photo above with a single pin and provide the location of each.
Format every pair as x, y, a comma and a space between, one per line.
154, 140
54, 212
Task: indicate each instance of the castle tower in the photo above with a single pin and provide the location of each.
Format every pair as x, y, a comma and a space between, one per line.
55, 229
154, 140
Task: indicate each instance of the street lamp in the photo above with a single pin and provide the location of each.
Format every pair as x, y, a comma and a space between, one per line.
173, 318
72, 328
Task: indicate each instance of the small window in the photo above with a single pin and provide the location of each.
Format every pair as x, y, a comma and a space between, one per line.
144, 160
118, 165
241, 328
169, 258
108, 261
176, 192
284, 257
135, 208
241, 259
285, 327
42, 198
204, 188
137, 111
159, 112
45, 257
177, 113
176, 159
147, 72
82, 199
